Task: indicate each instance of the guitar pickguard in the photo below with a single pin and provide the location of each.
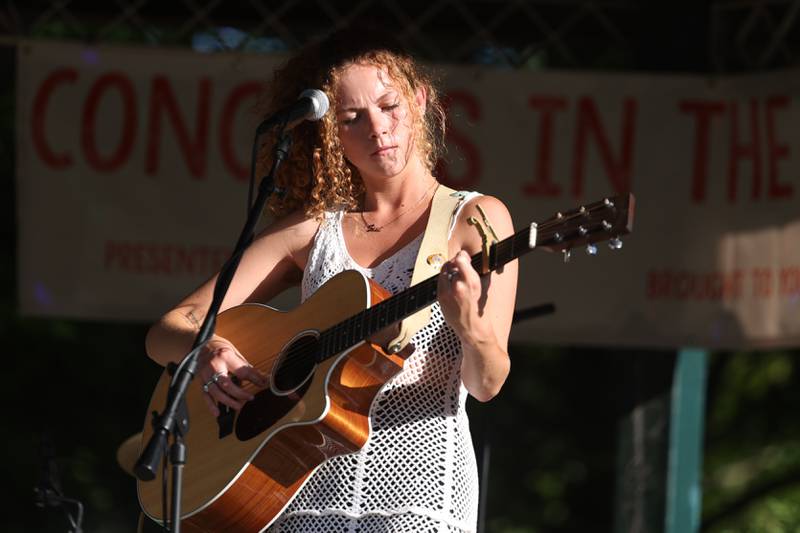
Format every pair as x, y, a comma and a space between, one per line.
262, 413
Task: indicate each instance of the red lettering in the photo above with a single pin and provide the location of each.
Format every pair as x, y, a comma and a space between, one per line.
240, 171
129, 122
162, 99
762, 282
619, 169
740, 151
703, 112
790, 281
163, 259
682, 285
542, 185
473, 161
38, 126
776, 151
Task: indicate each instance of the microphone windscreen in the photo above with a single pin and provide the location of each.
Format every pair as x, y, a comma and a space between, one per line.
320, 103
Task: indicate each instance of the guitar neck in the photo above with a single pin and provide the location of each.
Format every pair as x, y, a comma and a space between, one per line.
395, 308
587, 224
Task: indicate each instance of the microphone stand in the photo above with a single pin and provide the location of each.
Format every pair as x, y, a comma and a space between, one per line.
175, 417
48, 493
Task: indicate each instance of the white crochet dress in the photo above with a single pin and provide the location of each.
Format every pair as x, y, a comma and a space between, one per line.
417, 472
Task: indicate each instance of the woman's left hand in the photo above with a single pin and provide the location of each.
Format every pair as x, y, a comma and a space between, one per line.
463, 298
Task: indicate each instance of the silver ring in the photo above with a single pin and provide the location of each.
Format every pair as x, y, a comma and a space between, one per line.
212, 381
451, 274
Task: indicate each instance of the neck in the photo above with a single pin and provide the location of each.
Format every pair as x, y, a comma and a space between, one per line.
385, 194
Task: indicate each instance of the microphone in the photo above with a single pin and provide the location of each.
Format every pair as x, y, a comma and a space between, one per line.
311, 105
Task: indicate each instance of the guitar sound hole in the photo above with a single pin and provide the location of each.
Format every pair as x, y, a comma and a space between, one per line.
296, 364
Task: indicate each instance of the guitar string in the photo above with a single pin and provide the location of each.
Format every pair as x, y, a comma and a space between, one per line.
393, 304
299, 359
343, 330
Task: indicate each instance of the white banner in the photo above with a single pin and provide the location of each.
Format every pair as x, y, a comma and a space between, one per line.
132, 168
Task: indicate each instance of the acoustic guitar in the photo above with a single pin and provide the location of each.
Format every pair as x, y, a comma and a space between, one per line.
243, 468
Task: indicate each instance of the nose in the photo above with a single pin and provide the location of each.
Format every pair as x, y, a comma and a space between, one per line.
378, 124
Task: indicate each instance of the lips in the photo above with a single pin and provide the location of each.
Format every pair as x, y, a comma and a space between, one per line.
383, 150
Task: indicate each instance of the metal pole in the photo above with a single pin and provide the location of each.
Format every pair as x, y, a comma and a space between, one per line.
684, 491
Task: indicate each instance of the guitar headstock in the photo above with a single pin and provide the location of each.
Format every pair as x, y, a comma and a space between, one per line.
605, 220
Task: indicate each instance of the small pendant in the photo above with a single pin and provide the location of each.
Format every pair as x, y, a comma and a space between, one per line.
372, 227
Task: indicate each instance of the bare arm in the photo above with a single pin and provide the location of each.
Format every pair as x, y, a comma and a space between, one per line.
271, 264
480, 309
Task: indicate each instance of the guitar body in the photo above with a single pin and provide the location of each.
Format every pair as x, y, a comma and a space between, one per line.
241, 473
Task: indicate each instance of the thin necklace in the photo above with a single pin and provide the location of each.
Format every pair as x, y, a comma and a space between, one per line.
373, 228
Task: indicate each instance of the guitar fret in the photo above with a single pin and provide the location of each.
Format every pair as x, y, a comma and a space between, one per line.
393, 312
407, 301
554, 233
339, 338
502, 253
356, 336
360, 322
348, 332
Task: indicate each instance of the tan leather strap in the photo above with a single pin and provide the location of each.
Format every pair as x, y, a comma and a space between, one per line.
432, 254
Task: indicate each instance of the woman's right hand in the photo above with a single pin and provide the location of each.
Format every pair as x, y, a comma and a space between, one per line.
221, 358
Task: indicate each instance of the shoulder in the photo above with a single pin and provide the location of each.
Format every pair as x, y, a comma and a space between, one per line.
293, 233
296, 223
465, 235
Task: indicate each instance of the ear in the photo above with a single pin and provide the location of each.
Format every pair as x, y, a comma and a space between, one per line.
422, 98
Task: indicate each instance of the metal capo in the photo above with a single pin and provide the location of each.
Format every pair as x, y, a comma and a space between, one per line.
488, 237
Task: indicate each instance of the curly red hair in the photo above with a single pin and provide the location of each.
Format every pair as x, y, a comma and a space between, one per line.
316, 176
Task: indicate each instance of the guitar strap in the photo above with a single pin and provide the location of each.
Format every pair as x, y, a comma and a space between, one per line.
430, 258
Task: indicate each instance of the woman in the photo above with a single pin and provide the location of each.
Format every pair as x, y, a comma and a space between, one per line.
359, 186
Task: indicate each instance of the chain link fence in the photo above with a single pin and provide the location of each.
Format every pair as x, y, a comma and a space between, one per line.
755, 34
738, 35
515, 33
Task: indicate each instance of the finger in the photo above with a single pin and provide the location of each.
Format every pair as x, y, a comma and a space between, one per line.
220, 396
443, 284
232, 389
463, 261
249, 373
238, 366
212, 405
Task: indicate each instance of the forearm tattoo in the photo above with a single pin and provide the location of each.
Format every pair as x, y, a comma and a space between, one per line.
192, 319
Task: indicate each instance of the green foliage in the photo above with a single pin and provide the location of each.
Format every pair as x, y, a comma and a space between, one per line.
752, 470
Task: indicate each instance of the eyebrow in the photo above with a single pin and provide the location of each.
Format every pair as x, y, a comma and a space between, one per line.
392, 93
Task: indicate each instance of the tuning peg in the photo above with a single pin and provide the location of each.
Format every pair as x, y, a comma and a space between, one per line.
591, 249
567, 254
615, 243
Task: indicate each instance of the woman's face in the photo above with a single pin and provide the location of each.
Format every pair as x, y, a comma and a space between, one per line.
376, 126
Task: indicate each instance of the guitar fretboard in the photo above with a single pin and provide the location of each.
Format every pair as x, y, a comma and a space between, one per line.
395, 308
605, 219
